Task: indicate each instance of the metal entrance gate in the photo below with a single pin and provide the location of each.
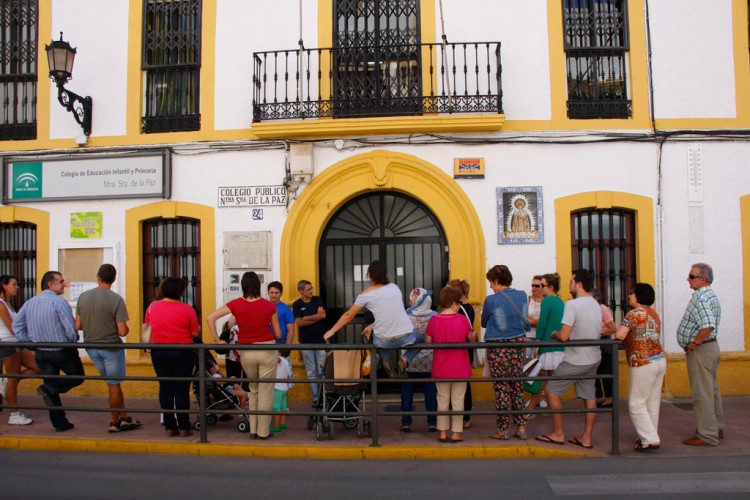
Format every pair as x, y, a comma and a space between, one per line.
388, 226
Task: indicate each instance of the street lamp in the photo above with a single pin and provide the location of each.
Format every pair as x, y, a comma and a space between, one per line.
61, 56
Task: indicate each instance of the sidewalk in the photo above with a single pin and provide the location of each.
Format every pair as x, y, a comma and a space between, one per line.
90, 434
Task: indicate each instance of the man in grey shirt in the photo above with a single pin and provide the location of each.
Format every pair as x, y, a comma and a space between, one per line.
102, 316
582, 320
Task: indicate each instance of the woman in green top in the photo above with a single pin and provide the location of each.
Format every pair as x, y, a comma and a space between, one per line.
550, 320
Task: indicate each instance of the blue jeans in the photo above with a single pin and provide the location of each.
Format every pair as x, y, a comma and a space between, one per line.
386, 347
314, 368
407, 397
52, 363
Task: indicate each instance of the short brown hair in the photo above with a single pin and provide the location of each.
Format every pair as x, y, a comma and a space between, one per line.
449, 295
500, 274
462, 285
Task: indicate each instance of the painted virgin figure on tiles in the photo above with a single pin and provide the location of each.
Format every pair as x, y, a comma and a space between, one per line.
520, 218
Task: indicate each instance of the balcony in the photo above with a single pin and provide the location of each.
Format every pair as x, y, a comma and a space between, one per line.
424, 88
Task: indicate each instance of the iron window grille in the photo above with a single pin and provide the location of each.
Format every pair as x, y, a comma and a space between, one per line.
604, 242
171, 249
18, 246
18, 68
171, 63
596, 45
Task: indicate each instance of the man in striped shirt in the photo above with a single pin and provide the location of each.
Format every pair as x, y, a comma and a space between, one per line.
47, 317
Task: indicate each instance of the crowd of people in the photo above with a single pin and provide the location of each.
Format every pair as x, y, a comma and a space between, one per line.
509, 318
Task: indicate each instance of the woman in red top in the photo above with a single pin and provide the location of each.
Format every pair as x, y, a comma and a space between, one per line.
173, 322
253, 315
450, 327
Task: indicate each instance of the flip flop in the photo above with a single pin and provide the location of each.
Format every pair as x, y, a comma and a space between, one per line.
546, 439
578, 442
443, 440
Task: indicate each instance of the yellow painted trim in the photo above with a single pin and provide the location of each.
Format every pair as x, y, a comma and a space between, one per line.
10, 214
745, 231
134, 254
134, 97
637, 71
375, 171
428, 124
208, 70
645, 251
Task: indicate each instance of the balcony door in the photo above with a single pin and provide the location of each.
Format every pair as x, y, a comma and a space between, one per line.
376, 58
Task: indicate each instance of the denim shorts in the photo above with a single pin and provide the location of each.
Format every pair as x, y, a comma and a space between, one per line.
109, 362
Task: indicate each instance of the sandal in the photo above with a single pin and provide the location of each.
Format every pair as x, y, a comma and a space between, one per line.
130, 422
502, 436
114, 427
521, 435
641, 447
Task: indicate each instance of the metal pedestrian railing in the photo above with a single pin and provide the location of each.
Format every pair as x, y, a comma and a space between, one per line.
374, 412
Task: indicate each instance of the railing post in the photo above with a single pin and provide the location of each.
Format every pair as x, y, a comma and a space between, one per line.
615, 400
374, 424
202, 393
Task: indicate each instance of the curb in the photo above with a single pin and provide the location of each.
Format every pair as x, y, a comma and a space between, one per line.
451, 452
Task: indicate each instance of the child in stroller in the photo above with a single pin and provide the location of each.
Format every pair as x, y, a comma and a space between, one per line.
223, 396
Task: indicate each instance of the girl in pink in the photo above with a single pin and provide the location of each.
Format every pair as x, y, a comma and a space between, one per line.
450, 327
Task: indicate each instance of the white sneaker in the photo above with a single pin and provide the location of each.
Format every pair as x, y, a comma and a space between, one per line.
3, 383
542, 404
18, 418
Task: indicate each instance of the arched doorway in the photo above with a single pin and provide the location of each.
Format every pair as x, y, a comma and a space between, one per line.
382, 172
385, 225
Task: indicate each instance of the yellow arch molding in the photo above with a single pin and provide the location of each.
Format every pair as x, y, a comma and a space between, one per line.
645, 260
376, 171
745, 228
13, 214
134, 255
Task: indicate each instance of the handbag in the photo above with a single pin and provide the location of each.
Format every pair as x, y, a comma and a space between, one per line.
477, 358
146, 331
532, 369
365, 368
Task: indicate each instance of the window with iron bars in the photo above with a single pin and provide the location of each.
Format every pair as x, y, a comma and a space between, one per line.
18, 247
171, 61
604, 242
171, 249
596, 46
18, 68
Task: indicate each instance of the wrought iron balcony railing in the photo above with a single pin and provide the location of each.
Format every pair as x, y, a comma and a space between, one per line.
377, 81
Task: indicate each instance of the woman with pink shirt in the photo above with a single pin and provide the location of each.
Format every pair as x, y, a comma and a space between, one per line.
450, 327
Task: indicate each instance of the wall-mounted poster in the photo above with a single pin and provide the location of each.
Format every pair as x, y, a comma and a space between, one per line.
468, 168
520, 215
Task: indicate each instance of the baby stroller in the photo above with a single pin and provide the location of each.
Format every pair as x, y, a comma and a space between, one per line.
218, 399
344, 397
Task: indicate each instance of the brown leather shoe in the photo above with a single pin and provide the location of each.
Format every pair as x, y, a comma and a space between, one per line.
695, 441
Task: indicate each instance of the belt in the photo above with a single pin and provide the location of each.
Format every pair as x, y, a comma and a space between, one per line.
707, 341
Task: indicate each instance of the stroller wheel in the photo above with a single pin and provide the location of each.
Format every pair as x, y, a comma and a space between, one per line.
243, 425
319, 431
310, 422
351, 423
197, 425
329, 429
211, 419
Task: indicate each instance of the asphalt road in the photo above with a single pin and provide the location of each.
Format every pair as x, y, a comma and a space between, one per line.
30, 475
